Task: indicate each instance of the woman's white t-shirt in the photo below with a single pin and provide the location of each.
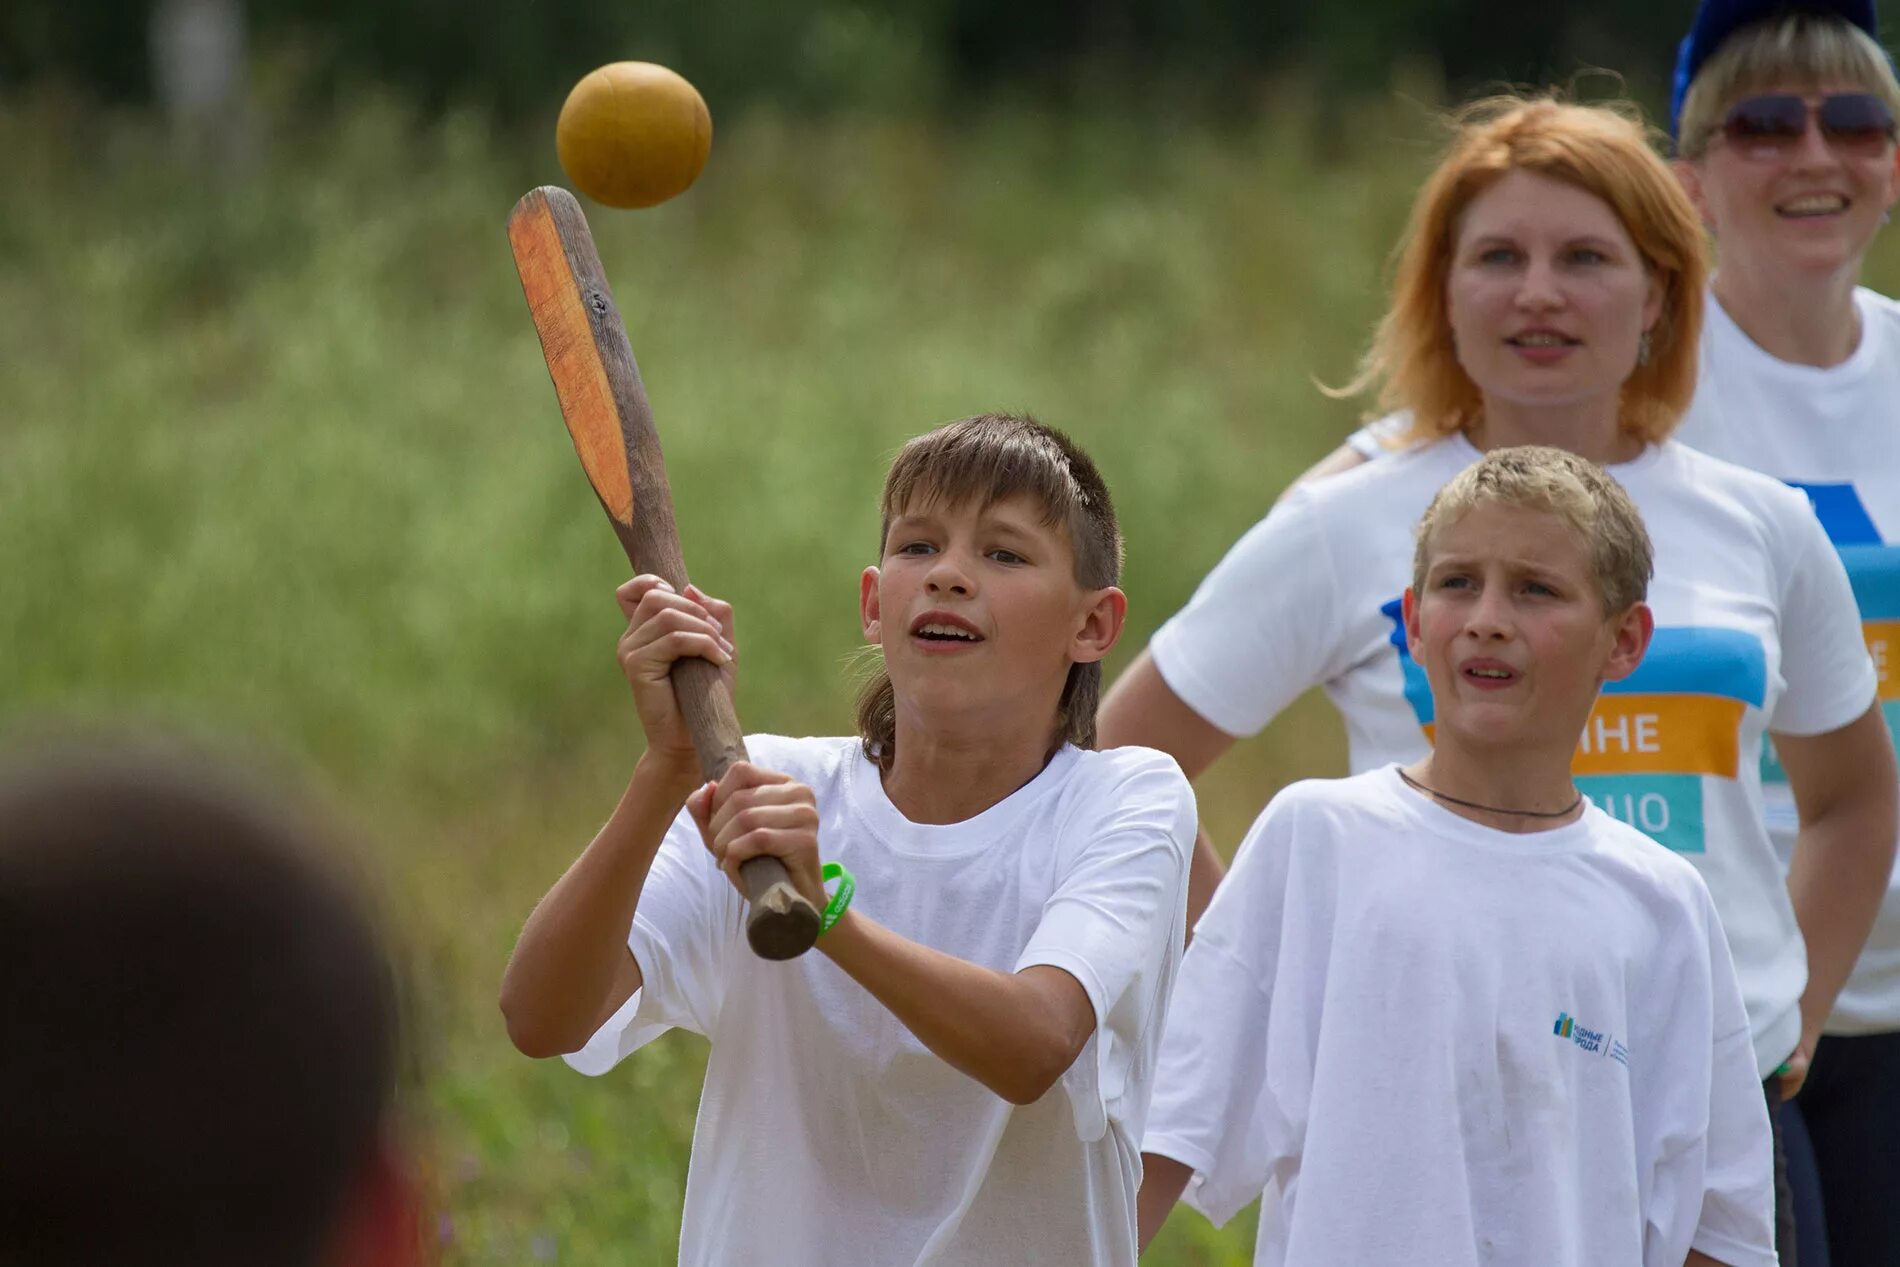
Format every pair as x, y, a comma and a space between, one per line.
1834, 433
1756, 630
828, 1135
1431, 1042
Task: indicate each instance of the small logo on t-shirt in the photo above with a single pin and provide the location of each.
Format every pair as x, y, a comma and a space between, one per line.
1594, 1041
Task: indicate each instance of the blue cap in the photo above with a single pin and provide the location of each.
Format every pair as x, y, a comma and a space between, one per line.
1716, 20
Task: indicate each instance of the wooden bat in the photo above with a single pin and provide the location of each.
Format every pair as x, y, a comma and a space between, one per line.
605, 407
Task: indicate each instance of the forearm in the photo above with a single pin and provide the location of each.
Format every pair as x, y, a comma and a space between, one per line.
1016, 1033
1163, 1179
1204, 876
1699, 1259
571, 968
1837, 880
1845, 787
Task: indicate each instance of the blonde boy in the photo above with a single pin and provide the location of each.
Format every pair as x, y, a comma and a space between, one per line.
1020, 908
1452, 1013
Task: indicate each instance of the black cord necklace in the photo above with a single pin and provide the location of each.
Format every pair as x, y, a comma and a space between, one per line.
1489, 809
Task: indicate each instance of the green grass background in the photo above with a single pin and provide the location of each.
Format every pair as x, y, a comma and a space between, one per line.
280, 465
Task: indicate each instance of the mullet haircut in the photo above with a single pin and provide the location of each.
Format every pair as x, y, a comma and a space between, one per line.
987, 459
1558, 482
1808, 50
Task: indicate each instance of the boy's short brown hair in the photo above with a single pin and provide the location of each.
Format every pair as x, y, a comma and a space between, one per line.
986, 459
1810, 50
1574, 489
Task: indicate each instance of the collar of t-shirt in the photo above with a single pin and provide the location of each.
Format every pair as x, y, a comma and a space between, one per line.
1469, 453
949, 840
1859, 364
1571, 837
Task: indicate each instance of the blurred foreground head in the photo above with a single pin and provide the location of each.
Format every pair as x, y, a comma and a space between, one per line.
200, 1032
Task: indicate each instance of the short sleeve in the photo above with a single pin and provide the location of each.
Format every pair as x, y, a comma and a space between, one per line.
1830, 676
1212, 1108
1737, 1223
1116, 922
682, 936
1382, 436
1366, 444
1256, 633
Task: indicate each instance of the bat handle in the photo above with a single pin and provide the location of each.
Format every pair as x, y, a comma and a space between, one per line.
779, 922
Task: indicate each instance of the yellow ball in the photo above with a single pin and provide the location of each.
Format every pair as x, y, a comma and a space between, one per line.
633, 134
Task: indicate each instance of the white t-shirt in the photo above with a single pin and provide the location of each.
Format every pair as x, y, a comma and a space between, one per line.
1835, 434
1432, 1042
1756, 628
828, 1134
1382, 435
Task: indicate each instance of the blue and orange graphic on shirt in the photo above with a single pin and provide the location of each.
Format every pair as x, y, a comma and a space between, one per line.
1654, 736
1875, 572
1874, 569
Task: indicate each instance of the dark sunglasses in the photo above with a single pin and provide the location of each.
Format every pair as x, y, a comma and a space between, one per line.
1856, 122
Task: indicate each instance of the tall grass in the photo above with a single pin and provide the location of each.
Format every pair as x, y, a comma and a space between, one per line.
279, 460
281, 451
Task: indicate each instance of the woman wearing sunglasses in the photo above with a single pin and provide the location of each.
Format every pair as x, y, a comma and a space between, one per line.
1550, 291
1786, 137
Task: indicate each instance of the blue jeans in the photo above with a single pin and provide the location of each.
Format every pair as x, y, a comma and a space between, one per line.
1804, 1190
1779, 1112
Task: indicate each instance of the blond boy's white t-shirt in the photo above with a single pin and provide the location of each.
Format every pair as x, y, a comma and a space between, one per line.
1834, 433
828, 1135
1756, 628
1431, 1042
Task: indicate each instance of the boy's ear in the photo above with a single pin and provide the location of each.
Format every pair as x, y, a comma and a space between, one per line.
870, 611
1101, 628
1630, 634
1408, 610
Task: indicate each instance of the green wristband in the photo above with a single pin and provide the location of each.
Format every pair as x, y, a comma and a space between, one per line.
840, 900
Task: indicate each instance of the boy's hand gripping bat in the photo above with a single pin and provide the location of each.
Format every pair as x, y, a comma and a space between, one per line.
606, 411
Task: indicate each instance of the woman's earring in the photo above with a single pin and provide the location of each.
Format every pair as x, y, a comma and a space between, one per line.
1642, 349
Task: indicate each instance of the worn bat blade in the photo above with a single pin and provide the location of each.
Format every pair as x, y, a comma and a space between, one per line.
596, 381
605, 407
